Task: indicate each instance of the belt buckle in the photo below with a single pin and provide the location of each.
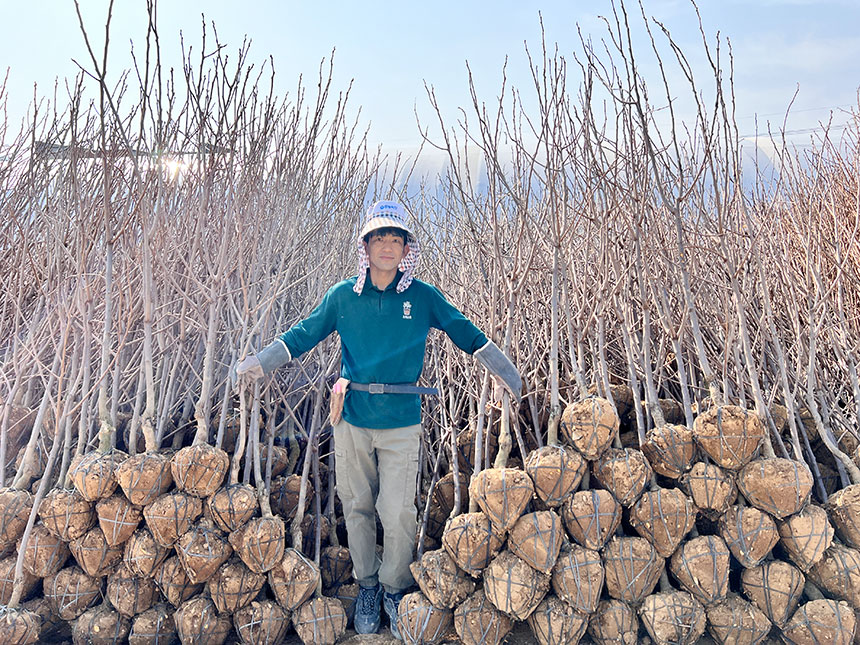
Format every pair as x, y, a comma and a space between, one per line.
376, 388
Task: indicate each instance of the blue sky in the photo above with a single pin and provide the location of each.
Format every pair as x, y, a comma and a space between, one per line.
390, 49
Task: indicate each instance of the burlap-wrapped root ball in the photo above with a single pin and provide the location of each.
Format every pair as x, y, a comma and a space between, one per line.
663, 516
513, 586
71, 591
51, 628
143, 554
590, 426
819, 622
624, 473
100, 625
843, 507
171, 515
711, 488
673, 618
261, 622
774, 587
838, 573
806, 535
144, 476
418, 621
614, 623
234, 585
335, 568
440, 580
780, 487
577, 578
19, 626
45, 553
729, 434
232, 506
478, 622
591, 517
199, 469
556, 472
554, 622
320, 621
701, 566
443, 492
503, 494
129, 594
155, 626
93, 475
734, 621
173, 582
94, 555
294, 580
632, 567
284, 495
262, 544
7, 580
199, 623
15, 507
670, 450
749, 533
537, 538
203, 550
118, 518
471, 541
66, 513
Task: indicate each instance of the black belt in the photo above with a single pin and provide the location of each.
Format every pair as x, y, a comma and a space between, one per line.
392, 388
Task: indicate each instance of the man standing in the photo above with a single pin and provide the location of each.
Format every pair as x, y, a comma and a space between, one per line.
383, 316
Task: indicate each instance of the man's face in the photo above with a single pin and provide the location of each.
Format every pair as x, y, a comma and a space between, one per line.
385, 251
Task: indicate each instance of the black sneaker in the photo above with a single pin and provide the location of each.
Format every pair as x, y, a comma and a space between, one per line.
367, 618
391, 602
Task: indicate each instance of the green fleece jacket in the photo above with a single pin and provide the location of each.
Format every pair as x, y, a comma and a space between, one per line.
383, 334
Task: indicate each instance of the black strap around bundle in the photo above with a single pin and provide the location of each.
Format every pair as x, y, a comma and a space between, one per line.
392, 388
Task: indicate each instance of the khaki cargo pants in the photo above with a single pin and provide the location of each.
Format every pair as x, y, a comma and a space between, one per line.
377, 472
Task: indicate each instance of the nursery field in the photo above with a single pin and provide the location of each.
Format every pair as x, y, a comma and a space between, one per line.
684, 465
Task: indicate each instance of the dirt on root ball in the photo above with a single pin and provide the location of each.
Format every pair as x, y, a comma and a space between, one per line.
154, 626
261, 622
779, 486
18, 626
478, 622
701, 566
614, 623
198, 623
843, 507
294, 580
418, 621
471, 541
439, 578
234, 585
173, 582
66, 513
577, 578
554, 622
623, 472
537, 538
663, 516
71, 591
118, 518
7, 579
632, 567
806, 535
320, 621
838, 573
556, 473
202, 550
94, 555
711, 488
591, 517
673, 617
199, 469
45, 553
284, 496
503, 494
749, 533
513, 586
670, 450
737, 622
144, 476
100, 626
129, 594
775, 587
590, 426
171, 515
729, 434
821, 621
143, 554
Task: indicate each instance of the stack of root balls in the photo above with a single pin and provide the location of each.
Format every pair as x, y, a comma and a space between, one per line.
692, 532
156, 549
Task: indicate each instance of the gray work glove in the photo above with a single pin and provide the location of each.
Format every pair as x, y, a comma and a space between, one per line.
271, 357
500, 366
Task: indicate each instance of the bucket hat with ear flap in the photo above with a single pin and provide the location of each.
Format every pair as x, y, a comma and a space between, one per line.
385, 214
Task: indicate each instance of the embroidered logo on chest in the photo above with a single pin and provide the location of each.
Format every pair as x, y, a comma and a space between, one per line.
407, 310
